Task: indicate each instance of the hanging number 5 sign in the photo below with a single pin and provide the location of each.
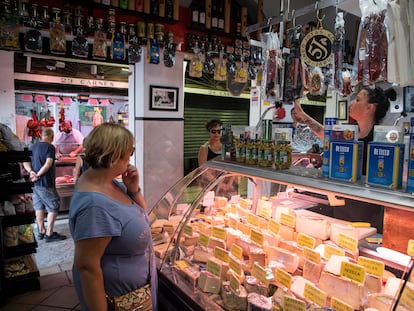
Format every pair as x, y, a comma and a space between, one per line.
316, 47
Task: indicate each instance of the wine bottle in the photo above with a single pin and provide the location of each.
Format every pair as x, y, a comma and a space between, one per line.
202, 14
154, 7
195, 13
214, 16
169, 9
220, 16
123, 4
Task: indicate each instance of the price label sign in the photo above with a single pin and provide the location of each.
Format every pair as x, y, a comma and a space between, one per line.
374, 267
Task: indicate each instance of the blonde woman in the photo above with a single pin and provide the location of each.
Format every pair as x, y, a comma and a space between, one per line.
109, 223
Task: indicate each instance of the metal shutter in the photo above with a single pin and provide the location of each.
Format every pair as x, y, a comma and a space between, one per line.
198, 109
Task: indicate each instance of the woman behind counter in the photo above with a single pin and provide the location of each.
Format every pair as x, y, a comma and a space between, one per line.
211, 148
109, 222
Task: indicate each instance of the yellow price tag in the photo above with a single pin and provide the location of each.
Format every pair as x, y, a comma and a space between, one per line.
235, 266
287, 219
315, 294
306, 240
256, 237
293, 304
410, 248
311, 255
274, 226
284, 278
237, 251
374, 267
332, 250
221, 254
214, 268
339, 305
352, 271
219, 233
347, 242
252, 219
203, 239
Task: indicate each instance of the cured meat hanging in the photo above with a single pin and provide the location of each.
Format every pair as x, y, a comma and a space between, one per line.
373, 43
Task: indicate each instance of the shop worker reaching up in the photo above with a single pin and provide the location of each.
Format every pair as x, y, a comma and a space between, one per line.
43, 174
368, 108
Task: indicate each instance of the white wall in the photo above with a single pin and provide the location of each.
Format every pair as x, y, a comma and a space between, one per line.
7, 110
159, 134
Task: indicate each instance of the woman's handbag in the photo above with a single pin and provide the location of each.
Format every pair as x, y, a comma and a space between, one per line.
136, 300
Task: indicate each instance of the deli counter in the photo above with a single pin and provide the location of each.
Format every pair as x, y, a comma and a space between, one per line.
230, 236
65, 181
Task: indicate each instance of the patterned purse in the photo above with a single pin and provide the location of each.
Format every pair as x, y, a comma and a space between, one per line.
136, 300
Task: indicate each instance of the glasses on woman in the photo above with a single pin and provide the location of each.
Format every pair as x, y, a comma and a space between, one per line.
215, 131
132, 152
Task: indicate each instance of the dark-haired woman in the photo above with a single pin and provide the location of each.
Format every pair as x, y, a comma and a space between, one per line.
368, 108
211, 148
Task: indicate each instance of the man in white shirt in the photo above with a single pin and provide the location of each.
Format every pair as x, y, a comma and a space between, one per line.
69, 141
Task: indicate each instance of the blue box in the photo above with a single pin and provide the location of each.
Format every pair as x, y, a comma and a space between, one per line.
385, 164
346, 160
410, 166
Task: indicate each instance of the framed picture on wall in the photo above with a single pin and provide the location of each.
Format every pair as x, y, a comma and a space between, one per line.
163, 98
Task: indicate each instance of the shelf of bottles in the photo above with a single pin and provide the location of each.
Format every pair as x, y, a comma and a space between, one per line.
99, 30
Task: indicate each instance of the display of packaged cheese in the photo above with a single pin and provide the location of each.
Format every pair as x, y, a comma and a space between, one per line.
232, 236
342, 288
189, 273
298, 286
234, 299
202, 254
333, 265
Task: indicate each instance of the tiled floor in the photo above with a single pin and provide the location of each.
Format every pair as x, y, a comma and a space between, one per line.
57, 293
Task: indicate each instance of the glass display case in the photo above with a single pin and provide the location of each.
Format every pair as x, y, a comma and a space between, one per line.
230, 236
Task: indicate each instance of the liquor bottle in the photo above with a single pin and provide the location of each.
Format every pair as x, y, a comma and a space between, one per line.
161, 8
214, 16
57, 33
115, 3
99, 45
106, 2
134, 48
169, 9
131, 5
139, 5
154, 7
123, 4
195, 12
80, 45
208, 14
118, 43
202, 14
220, 17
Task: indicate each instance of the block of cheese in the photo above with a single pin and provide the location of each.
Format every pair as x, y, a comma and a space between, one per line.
188, 273
293, 247
341, 288
245, 228
214, 242
258, 255
209, 283
355, 232
393, 286
253, 285
270, 238
244, 242
202, 254
287, 233
333, 265
224, 267
372, 284
231, 237
162, 249
220, 202
205, 228
188, 249
234, 300
312, 271
382, 302
298, 286
312, 224
287, 258
257, 302
191, 239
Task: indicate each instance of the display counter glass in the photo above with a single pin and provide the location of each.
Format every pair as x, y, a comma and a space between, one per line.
230, 236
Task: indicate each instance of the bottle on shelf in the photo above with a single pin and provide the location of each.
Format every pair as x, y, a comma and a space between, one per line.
123, 4
139, 5
118, 43
106, 2
115, 3
214, 16
220, 16
161, 8
80, 45
57, 33
154, 7
208, 14
195, 12
99, 45
202, 14
169, 9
